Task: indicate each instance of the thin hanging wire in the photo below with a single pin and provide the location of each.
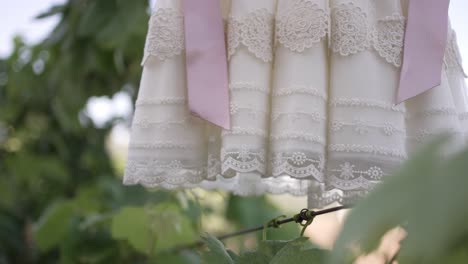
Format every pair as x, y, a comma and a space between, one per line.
304, 218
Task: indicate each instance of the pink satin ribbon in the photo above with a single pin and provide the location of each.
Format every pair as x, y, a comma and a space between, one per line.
207, 77
425, 42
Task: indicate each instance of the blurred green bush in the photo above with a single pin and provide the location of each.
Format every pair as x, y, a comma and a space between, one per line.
61, 197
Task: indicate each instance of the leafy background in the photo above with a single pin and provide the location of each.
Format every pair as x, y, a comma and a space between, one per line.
61, 197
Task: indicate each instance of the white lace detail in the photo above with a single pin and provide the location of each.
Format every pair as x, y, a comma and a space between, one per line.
388, 38
298, 115
443, 111
351, 33
254, 31
161, 145
349, 30
285, 91
155, 172
165, 36
244, 131
161, 101
298, 165
463, 116
249, 86
252, 109
452, 59
349, 178
302, 25
367, 149
242, 160
298, 136
363, 127
357, 102
423, 134
146, 123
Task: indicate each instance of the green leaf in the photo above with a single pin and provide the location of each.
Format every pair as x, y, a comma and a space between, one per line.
270, 247
54, 10
265, 252
154, 228
174, 258
217, 253
133, 224
52, 226
171, 226
254, 257
294, 252
428, 196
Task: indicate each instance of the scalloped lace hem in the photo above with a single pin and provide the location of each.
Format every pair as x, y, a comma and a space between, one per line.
251, 184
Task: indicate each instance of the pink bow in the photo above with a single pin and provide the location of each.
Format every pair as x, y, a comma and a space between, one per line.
425, 41
207, 77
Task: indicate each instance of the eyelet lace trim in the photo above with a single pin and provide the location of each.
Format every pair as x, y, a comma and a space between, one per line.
154, 172
299, 114
388, 38
346, 177
358, 102
244, 131
249, 86
161, 145
298, 165
285, 91
252, 110
254, 31
165, 37
302, 25
298, 136
372, 149
146, 123
161, 101
443, 111
242, 160
363, 127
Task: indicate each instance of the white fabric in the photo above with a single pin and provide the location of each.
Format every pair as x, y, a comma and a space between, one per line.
312, 86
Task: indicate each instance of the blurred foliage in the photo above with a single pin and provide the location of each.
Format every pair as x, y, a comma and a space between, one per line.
61, 197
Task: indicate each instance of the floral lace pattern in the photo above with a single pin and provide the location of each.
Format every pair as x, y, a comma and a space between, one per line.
347, 177
298, 165
153, 172
242, 160
349, 30
254, 31
363, 127
388, 38
301, 25
165, 36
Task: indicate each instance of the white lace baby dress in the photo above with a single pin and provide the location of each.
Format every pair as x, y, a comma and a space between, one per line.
312, 90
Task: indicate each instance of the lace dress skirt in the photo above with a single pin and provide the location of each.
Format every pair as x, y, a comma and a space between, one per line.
312, 90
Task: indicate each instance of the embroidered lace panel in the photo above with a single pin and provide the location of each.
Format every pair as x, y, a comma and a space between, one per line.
388, 38
165, 36
301, 25
254, 31
349, 29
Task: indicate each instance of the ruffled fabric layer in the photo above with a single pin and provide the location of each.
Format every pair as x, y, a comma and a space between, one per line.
312, 89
